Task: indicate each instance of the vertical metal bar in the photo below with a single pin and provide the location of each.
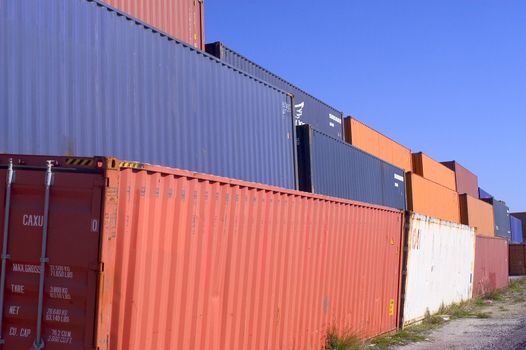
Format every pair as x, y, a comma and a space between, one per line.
5, 256
39, 342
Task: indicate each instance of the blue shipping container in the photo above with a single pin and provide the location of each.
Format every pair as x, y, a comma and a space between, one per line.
80, 78
332, 167
307, 109
484, 195
501, 214
516, 230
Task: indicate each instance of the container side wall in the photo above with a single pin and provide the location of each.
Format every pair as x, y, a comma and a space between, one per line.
516, 230
491, 265
467, 182
431, 199
371, 141
430, 169
181, 19
517, 256
484, 195
307, 108
522, 217
340, 170
440, 262
213, 262
501, 214
84, 80
477, 214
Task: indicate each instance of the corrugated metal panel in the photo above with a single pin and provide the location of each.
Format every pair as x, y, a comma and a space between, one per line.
182, 19
477, 214
81, 79
194, 261
467, 182
440, 262
491, 265
334, 168
522, 217
517, 256
371, 141
516, 229
430, 169
501, 215
429, 198
307, 108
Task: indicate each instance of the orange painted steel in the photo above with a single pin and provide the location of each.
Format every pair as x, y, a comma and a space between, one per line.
429, 198
192, 261
371, 141
477, 214
491, 265
181, 19
429, 168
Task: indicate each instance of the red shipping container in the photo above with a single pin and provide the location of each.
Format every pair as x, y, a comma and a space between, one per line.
467, 182
491, 265
517, 259
181, 19
146, 257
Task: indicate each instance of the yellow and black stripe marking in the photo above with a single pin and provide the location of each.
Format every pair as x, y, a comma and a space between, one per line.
80, 162
131, 165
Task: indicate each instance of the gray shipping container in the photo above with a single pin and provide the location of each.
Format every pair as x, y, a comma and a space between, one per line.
501, 214
80, 78
307, 108
331, 167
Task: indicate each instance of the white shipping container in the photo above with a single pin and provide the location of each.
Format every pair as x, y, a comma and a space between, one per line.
440, 263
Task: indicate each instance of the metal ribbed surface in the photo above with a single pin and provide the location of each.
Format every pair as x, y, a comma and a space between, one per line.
478, 214
209, 263
491, 265
467, 182
81, 79
501, 215
307, 109
440, 260
182, 19
517, 256
332, 167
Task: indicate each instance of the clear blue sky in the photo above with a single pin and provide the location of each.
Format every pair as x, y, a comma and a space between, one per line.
444, 77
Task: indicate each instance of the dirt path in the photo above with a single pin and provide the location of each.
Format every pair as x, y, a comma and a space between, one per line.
505, 328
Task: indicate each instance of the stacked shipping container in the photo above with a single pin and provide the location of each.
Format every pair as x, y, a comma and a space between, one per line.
501, 215
522, 218
332, 167
439, 267
477, 214
307, 108
194, 261
516, 229
101, 83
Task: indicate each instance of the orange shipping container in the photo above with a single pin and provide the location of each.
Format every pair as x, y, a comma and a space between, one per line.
477, 214
181, 19
145, 257
429, 168
371, 141
429, 198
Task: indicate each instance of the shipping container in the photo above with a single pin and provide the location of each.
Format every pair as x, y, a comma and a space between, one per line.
431, 199
439, 269
181, 19
307, 108
477, 214
501, 215
491, 265
332, 167
484, 195
132, 256
79, 78
371, 141
466, 181
430, 169
516, 230
522, 217
517, 256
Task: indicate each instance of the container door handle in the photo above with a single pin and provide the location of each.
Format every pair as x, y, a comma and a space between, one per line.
5, 255
39, 342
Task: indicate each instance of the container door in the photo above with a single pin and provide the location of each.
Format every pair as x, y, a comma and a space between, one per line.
61, 301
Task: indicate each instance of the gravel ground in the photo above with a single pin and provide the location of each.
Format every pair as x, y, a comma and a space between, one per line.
504, 330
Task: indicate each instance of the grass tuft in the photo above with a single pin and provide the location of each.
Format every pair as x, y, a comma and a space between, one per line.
349, 342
